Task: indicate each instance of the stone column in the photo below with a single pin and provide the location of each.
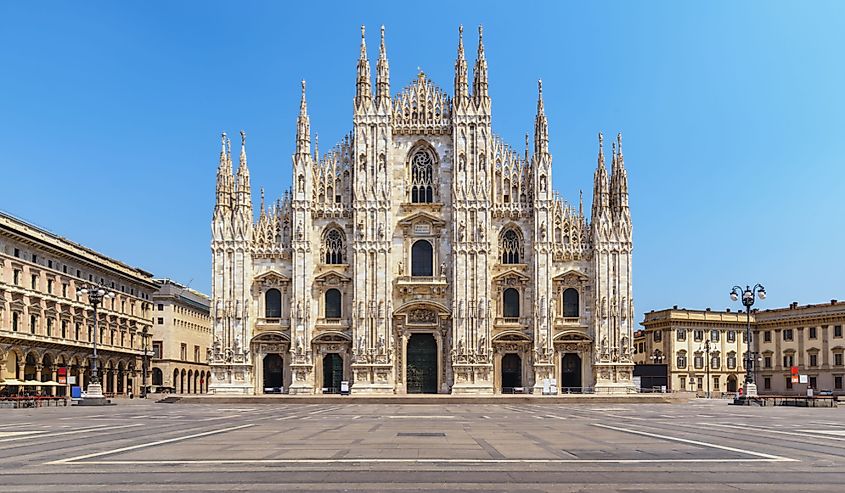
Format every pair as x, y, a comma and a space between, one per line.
38, 368
53, 371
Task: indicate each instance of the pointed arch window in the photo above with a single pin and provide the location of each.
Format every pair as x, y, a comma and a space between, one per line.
570, 302
334, 246
510, 303
422, 176
333, 309
510, 246
273, 303
422, 259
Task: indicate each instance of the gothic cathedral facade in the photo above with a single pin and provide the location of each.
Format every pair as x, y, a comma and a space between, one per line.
422, 254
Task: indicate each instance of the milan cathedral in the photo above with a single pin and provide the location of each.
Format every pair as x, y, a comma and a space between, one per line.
421, 254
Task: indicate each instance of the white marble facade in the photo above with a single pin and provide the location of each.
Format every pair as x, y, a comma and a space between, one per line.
421, 254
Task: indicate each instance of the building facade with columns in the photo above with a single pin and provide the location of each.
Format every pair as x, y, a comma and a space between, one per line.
45, 326
421, 254
181, 339
809, 337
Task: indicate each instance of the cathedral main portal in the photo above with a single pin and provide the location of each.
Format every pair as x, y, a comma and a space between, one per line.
422, 364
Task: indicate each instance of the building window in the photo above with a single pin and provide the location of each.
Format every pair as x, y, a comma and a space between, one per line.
681, 334
787, 334
715, 362
698, 361
17, 253
273, 303
64, 290
571, 303
731, 336
76, 332
16, 277
811, 332
837, 359
683, 383
49, 327
183, 352
196, 354
15, 321
34, 258
422, 177
33, 322
333, 244
699, 383
767, 336
682, 360
657, 336
49, 286
731, 361
767, 361
422, 261
510, 245
161, 307
34, 281
510, 303
333, 298
160, 321
698, 335
716, 383
767, 383
64, 329
157, 349
714, 336
837, 331
788, 383
814, 360
788, 360
837, 382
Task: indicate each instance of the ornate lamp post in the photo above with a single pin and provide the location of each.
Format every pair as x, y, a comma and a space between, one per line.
94, 392
747, 296
707, 364
144, 364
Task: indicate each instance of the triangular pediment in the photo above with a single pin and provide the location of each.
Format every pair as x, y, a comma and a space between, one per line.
511, 273
422, 216
271, 277
571, 275
332, 276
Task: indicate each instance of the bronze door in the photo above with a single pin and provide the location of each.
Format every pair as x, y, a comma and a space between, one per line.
422, 364
332, 373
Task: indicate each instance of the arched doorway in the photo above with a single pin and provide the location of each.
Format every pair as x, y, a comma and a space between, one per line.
422, 364
571, 373
732, 383
332, 373
273, 373
511, 372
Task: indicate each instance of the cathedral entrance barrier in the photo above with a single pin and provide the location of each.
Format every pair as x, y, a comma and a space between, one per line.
332, 373
571, 373
273, 374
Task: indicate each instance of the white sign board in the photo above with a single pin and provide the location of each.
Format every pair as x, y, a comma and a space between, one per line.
638, 382
802, 379
547, 386
71, 380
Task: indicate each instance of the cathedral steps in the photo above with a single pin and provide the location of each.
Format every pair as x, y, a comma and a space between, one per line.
428, 399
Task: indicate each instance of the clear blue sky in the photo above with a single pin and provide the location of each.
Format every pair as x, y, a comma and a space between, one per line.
732, 114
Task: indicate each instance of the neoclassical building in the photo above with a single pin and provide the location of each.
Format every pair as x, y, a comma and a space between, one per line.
421, 254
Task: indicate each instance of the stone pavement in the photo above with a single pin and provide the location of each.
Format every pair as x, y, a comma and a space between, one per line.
698, 446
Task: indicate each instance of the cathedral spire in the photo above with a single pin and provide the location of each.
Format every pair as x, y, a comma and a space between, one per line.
303, 127
619, 182
541, 126
224, 178
244, 193
600, 198
461, 80
363, 92
261, 212
479, 80
382, 76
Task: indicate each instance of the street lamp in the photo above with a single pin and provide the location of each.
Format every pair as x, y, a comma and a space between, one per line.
144, 364
94, 392
747, 295
707, 364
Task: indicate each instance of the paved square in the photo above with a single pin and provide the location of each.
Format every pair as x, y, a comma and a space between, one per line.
700, 446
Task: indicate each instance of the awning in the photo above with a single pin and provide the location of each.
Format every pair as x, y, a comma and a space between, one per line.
11, 381
51, 383
31, 383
